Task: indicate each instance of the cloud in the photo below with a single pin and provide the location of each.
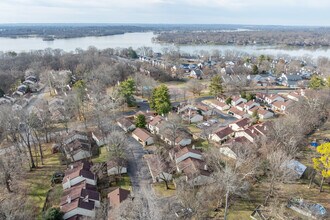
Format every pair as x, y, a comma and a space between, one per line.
166, 11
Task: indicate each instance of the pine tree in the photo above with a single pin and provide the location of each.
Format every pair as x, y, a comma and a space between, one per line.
140, 121
316, 82
127, 89
216, 87
160, 100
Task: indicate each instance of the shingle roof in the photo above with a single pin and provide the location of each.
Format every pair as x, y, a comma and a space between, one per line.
186, 150
142, 134
81, 203
192, 167
117, 196
78, 171
125, 122
156, 120
224, 132
242, 122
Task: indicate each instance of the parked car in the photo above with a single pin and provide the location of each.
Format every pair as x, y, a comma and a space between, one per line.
57, 177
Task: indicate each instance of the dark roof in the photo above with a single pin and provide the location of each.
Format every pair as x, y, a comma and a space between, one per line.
224, 132
78, 145
78, 171
242, 122
117, 196
79, 192
81, 203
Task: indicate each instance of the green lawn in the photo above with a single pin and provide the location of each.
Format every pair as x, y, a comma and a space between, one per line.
201, 144
124, 182
161, 191
193, 129
38, 181
102, 157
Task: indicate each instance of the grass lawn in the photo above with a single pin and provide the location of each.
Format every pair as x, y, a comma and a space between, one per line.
102, 157
38, 181
201, 144
124, 183
161, 191
193, 129
110, 185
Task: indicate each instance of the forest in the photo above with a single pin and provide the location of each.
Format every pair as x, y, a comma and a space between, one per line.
298, 37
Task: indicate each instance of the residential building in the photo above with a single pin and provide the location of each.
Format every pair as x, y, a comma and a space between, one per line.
221, 135
143, 136
77, 173
126, 124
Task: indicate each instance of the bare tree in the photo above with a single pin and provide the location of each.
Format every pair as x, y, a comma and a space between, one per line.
171, 128
10, 169
195, 87
277, 170
117, 143
15, 208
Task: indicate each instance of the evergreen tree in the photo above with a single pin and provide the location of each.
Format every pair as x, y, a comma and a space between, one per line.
255, 69
127, 89
316, 82
53, 214
228, 101
160, 100
140, 121
216, 87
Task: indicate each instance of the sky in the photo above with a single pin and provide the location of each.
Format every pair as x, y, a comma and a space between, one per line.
256, 12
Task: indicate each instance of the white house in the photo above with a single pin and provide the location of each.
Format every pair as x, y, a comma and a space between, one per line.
143, 136
240, 124
75, 135
237, 100
152, 125
273, 98
187, 152
78, 150
219, 105
264, 114
237, 113
192, 117
78, 207
222, 134
126, 124
114, 168
250, 104
76, 175
158, 169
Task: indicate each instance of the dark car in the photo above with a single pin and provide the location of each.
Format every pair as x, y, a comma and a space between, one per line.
57, 177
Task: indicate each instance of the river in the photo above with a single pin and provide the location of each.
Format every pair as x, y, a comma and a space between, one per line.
136, 40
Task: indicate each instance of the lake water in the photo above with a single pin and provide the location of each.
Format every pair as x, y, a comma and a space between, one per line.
136, 40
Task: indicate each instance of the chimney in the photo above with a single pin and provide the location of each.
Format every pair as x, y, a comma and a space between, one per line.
68, 199
205, 167
265, 128
252, 131
193, 147
147, 111
68, 179
71, 166
86, 198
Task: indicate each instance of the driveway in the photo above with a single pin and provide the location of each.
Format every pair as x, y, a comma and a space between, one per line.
141, 183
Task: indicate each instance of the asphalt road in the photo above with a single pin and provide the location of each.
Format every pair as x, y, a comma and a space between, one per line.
139, 174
